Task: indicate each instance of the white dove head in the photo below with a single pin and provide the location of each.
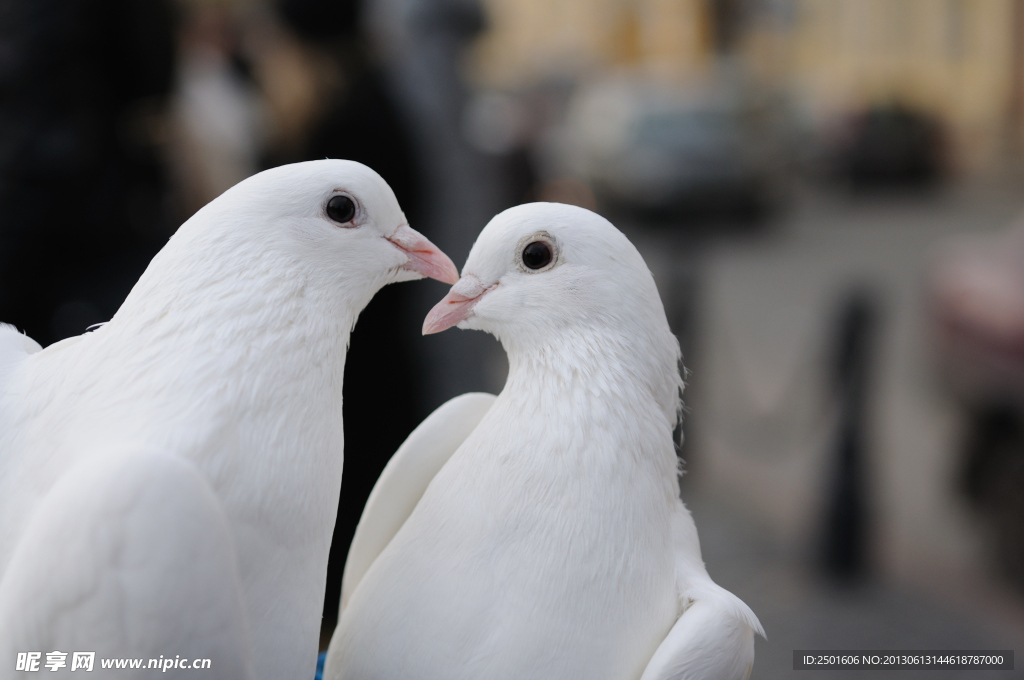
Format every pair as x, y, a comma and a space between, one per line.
560, 285
337, 215
327, 230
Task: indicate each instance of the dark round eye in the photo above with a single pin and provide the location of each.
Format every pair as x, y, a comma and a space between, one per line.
537, 255
341, 209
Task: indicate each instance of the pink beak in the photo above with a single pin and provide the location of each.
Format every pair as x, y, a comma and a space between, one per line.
456, 306
424, 257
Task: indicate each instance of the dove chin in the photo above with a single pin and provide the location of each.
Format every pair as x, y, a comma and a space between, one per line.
424, 258
457, 306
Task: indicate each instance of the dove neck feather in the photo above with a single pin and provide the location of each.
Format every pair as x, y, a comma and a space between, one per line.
599, 381
597, 361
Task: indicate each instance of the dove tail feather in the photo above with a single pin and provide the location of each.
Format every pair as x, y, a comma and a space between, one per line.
728, 602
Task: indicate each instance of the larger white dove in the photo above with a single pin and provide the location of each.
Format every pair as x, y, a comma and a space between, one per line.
169, 482
540, 533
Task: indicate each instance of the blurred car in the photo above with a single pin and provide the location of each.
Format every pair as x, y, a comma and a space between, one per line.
663, 151
889, 145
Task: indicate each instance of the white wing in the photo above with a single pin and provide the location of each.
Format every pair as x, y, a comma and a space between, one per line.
713, 639
128, 556
405, 478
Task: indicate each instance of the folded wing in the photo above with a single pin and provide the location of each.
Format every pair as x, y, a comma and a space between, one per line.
128, 556
405, 478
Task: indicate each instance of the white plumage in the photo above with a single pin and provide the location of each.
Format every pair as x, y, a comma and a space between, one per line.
168, 483
543, 532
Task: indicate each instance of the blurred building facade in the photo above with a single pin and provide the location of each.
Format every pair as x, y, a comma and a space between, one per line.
957, 60
537, 39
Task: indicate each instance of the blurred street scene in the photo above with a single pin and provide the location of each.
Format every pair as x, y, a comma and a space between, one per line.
907, 558
830, 194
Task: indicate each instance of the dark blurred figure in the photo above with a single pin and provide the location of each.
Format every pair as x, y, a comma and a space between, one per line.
891, 145
82, 189
728, 20
382, 387
845, 535
993, 479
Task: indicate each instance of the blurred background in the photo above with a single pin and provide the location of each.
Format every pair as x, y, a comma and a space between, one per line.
829, 193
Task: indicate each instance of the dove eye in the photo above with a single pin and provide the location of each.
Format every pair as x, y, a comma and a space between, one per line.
341, 209
537, 255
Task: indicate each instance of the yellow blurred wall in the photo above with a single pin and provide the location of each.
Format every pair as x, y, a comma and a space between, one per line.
951, 57
532, 40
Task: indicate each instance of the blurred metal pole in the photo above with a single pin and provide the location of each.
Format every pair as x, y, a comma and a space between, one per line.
845, 536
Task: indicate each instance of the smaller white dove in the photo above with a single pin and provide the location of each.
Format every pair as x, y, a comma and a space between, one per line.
169, 482
540, 533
